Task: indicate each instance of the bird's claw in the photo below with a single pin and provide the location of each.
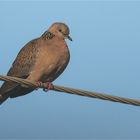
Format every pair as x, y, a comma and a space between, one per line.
39, 84
46, 86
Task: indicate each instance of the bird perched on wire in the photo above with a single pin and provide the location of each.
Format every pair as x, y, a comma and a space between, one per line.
41, 60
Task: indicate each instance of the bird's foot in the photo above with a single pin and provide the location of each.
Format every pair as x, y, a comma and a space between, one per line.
38, 84
46, 86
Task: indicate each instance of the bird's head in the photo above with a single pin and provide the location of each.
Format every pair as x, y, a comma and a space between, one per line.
60, 30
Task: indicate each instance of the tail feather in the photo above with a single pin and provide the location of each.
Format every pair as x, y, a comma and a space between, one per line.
12, 90
3, 98
13, 93
5, 91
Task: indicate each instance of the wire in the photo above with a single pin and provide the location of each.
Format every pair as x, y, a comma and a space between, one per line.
73, 91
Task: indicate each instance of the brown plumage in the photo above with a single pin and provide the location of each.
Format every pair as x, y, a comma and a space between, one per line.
42, 59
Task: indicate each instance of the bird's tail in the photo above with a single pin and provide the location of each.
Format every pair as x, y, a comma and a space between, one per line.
3, 98
5, 91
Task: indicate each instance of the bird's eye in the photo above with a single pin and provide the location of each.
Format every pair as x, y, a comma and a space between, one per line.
60, 30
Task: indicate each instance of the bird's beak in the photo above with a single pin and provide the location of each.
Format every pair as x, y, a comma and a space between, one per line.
69, 38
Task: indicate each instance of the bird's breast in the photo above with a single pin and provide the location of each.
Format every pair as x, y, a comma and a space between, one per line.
52, 61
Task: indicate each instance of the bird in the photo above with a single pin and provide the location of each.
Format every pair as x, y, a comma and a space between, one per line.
41, 60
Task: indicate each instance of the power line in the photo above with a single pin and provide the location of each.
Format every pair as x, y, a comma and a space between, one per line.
73, 91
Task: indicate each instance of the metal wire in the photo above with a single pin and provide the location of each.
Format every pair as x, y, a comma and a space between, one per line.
73, 91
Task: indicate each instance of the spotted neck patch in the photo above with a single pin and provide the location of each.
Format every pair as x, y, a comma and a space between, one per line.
48, 35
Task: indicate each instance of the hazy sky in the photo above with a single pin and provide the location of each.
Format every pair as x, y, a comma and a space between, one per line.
105, 57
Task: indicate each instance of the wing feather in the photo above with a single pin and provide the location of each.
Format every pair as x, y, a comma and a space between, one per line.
21, 68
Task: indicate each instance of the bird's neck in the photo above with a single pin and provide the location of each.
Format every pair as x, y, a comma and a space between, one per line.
47, 35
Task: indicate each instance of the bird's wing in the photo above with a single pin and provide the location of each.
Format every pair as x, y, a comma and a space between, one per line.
21, 68
24, 60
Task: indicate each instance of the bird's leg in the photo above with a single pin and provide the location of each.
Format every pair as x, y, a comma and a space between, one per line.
46, 86
39, 84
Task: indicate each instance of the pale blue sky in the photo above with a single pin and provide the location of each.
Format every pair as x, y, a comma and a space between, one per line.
105, 57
